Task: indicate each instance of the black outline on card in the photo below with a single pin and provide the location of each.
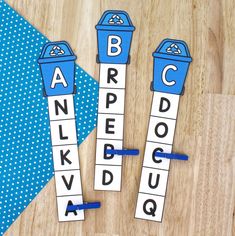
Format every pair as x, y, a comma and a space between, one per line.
166, 180
107, 189
62, 146
107, 108
67, 95
111, 114
164, 198
113, 64
150, 142
119, 140
79, 171
68, 143
169, 120
70, 220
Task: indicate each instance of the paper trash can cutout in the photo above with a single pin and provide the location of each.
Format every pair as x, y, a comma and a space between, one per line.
57, 65
171, 63
114, 34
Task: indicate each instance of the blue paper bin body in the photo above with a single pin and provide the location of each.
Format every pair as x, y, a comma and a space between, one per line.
112, 26
57, 62
171, 63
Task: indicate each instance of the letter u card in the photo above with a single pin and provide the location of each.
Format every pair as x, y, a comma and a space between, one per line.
114, 34
58, 72
171, 63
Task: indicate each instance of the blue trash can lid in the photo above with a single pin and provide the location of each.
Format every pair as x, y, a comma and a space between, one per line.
115, 20
174, 50
55, 52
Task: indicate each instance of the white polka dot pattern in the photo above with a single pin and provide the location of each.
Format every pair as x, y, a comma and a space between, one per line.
25, 155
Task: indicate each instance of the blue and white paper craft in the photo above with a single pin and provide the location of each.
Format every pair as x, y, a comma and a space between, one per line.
57, 69
26, 158
171, 63
114, 35
57, 65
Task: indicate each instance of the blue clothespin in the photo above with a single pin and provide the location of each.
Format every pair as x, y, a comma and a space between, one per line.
123, 152
84, 206
175, 156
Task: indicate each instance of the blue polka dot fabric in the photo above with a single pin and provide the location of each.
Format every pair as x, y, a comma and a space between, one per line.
25, 156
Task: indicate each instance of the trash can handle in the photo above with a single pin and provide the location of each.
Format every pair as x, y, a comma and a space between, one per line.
55, 43
173, 41
114, 12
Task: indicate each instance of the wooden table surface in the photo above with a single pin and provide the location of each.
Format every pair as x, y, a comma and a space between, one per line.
201, 192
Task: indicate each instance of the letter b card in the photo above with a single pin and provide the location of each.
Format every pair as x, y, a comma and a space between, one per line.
114, 32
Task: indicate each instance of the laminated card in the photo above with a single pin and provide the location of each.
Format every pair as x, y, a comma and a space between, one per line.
57, 65
114, 33
171, 63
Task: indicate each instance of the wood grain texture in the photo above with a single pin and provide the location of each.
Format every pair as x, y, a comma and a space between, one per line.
201, 192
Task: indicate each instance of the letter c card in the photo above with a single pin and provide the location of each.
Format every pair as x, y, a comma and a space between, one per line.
170, 66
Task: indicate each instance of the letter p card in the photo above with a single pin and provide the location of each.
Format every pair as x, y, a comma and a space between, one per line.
58, 72
114, 32
171, 63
